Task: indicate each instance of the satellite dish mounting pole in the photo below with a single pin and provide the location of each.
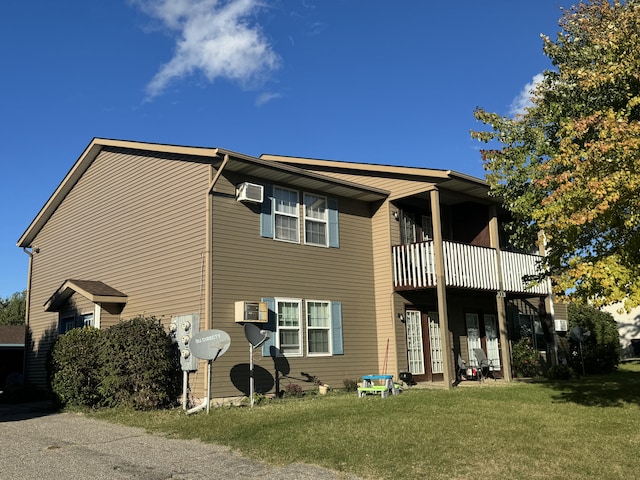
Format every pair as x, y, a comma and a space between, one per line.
251, 380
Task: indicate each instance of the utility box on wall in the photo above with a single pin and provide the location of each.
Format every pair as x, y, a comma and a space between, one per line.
255, 312
182, 328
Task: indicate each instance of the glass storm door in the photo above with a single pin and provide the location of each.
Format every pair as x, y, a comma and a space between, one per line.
473, 336
414, 342
435, 342
493, 350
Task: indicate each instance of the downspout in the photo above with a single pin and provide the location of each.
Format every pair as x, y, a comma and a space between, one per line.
208, 293
27, 310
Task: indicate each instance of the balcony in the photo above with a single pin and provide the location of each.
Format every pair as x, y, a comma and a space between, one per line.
465, 266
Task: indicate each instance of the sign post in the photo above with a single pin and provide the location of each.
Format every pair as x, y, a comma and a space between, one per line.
256, 337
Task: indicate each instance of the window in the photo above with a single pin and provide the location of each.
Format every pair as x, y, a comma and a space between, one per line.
280, 217
315, 220
69, 321
289, 326
318, 328
286, 214
321, 332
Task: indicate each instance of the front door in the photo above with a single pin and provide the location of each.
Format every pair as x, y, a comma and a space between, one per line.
490, 343
424, 345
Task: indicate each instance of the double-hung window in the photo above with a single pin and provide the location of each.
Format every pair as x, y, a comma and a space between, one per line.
315, 220
281, 214
303, 327
289, 326
318, 327
286, 214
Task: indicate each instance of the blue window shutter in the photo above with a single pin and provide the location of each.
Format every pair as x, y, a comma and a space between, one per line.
271, 326
266, 213
336, 328
334, 233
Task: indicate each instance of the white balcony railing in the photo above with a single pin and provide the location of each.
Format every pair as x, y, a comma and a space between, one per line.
465, 266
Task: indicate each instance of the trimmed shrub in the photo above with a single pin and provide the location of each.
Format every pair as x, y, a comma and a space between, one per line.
293, 390
350, 385
525, 359
601, 349
74, 367
139, 365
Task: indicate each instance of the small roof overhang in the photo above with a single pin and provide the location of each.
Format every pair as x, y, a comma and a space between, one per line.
95, 291
12, 336
273, 171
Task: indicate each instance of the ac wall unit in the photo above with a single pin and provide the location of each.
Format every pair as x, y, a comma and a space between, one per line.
561, 325
249, 192
255, 312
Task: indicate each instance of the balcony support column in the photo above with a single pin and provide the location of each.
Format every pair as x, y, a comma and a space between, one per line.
505, 350
441, 288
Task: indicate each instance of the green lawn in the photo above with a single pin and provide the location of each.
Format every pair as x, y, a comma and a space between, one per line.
567, 430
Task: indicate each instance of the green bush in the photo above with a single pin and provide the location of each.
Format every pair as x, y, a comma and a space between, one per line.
293, 390
601, 349
525, 359
138, 364
74, 367
350, 385
560, 372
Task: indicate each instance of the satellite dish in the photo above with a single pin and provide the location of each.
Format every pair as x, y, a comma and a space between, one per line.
578, 334
255, 335
209, 344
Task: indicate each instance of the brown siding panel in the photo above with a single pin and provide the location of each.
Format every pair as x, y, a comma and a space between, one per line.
113, 226
249, 267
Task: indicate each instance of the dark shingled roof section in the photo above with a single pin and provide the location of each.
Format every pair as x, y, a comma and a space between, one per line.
11, 334
98, 288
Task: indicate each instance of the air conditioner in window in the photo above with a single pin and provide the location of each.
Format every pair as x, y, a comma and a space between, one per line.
249, 192
561, 325
255, 312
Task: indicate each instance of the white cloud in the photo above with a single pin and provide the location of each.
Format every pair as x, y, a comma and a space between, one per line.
266, 97
523, 101
213, 37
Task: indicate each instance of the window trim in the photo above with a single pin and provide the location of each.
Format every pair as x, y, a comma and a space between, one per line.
277, 213
300, 328
324, 221
328, 329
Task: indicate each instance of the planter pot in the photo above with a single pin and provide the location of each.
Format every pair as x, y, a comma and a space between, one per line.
323, 389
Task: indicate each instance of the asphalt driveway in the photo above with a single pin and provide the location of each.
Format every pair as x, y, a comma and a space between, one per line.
38, 444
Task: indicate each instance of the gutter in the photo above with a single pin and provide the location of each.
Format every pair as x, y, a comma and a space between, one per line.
27, 309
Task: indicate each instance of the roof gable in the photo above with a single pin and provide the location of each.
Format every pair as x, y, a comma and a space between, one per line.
272, 171
95, 291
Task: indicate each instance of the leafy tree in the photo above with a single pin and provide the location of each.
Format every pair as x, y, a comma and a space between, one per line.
569, 166
12, 309
601, 348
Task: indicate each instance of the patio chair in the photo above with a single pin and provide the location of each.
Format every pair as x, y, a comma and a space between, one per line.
485, 366
462, 368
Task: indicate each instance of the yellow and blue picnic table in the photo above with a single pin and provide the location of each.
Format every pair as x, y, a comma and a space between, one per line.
382, 384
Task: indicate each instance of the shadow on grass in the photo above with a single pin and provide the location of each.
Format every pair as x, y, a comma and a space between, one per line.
612, 390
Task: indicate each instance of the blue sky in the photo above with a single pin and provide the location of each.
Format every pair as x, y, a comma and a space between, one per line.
364, 81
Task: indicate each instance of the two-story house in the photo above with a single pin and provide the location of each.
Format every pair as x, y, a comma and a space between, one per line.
363, 268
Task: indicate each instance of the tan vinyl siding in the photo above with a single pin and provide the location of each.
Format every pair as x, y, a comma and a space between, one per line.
385, 232
249, 267
137, 224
